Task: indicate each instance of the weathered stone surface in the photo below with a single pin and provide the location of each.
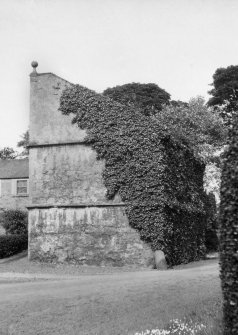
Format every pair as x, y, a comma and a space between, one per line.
160, 261
47, 124
69, 174
92, 236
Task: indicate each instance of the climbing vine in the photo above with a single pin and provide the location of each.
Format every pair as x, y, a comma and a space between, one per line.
159, 180
228, 218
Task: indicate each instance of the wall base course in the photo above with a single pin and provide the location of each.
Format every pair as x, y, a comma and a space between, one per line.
86, 236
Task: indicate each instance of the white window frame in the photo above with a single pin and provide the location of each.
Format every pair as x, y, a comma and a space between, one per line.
14, 187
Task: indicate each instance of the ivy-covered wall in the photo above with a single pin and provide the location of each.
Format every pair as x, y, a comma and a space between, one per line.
160, 181
70, 220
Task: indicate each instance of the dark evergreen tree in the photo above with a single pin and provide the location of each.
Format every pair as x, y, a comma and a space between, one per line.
149, 98
225, 91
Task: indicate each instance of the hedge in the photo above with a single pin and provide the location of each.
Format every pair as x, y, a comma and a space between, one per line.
12, 244
15, 221
229, 233
211, 235
159, 180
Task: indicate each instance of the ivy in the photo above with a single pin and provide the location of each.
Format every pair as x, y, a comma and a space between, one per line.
228, 218
159, 180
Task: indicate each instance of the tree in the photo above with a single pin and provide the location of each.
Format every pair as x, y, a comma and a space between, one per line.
7, 153
197, 125
194, 122
148, 97
24, 142
225, 91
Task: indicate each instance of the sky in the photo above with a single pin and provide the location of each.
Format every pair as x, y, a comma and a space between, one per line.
177, 44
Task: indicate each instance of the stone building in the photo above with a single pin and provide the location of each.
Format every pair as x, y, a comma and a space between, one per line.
14, 184
70, 219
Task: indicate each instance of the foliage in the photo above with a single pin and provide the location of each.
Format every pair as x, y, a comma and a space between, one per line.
211, 237
149, 98
192, 123
10, 153
228, 110
225, 83
159, 180
7, 153
12, 244
178, 103
196, 125
229, 232
15, 221
212, 180
225, 91
23, 143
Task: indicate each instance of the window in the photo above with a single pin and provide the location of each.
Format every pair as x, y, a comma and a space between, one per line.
21, 187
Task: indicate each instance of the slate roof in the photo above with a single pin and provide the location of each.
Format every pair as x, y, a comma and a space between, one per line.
14, 168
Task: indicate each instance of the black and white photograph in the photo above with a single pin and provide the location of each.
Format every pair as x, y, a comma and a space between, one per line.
119, 167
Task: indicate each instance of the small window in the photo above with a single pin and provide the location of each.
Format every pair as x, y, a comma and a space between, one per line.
22, 187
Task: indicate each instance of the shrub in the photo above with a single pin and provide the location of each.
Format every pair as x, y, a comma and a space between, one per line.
229, 233
15, 221
12, 244
211, 237
159, 180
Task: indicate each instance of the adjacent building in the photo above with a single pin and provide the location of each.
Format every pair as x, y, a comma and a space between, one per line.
14, 184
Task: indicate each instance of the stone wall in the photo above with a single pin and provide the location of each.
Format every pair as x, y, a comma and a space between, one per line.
47, 124
68, 175
92, 236
70, 219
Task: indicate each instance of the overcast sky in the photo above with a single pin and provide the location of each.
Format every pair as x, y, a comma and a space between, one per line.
177, 44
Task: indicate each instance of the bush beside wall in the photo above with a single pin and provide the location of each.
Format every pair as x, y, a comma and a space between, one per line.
15, 221
12, 244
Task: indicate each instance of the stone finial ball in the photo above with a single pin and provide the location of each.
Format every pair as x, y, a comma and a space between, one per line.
34, 64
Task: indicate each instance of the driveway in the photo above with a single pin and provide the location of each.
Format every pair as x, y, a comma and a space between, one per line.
104, 304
